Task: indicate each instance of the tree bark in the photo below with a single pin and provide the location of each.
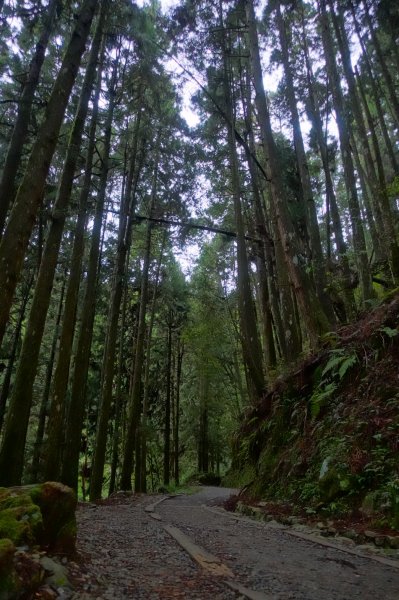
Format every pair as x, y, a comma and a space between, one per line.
44, 403
252, 350
124, 243
376, 94
21, 400
166, 434
14, 350
20, 130
378, 185
311, 310
392, 93
317, 258
27, 203
359, 241
52, 454
134, 408
76, 411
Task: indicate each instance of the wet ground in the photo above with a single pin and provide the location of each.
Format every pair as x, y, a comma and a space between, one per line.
127, 553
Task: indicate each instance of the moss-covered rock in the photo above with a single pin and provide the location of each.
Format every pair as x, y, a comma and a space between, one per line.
20, 519
33, 515
57, 504
7, 572
39, 515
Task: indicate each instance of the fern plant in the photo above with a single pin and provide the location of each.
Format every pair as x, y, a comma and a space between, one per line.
335, 370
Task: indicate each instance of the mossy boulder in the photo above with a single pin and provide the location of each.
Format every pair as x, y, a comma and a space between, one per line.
39, 515
7, 573
20, 519
57, 504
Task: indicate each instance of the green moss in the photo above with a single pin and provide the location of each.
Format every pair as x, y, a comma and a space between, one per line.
240, 478
7, 574
66, 538
39, 514
21, 524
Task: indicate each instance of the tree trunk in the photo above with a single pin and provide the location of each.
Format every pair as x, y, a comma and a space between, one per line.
376, 94
359, 241
20, 130
179, 365
377, 184
14, 349
118, 399
166, 434
52, 454
21, 400
124, 242
312, 312
390, 85
144, 423
76, 411
27, 203
203, 441
318, 262
331, 200
44, 403
252, 350
134, 409
262, 233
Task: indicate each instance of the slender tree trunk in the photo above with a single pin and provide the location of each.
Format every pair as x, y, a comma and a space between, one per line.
14, 350
318, 262
21, 400
179, 366
20, 130
124, 242
44, 403
372, 222
52, 454
144, 423
331, 200
261, 228
359, 241
390, 86
166, 434
378, 184
134, 409
387, 213
118, 399
27, 203
252, 350
203, 442
376, 94
76, 411
312, 312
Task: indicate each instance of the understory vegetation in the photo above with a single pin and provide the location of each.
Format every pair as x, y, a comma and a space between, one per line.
326, 438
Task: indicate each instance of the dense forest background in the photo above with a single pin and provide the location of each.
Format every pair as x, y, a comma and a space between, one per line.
156, 277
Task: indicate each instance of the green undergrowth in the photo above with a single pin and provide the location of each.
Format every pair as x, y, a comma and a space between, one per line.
326, 438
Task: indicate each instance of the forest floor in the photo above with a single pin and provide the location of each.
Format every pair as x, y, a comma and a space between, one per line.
152, 547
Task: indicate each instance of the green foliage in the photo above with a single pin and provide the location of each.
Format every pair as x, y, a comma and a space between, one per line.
332, 374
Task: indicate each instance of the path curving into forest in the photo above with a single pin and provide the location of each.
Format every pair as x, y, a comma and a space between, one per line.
150, 547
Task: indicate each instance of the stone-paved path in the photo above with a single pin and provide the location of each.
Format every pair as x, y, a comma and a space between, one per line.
130, 555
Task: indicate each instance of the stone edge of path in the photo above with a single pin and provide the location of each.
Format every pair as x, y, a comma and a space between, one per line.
305, 536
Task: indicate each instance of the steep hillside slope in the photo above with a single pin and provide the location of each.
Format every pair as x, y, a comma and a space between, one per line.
326, 438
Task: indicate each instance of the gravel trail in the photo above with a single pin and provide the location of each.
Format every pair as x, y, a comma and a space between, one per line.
127, 554
267, 559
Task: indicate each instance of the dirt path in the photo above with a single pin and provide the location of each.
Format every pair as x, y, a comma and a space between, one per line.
129, 554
